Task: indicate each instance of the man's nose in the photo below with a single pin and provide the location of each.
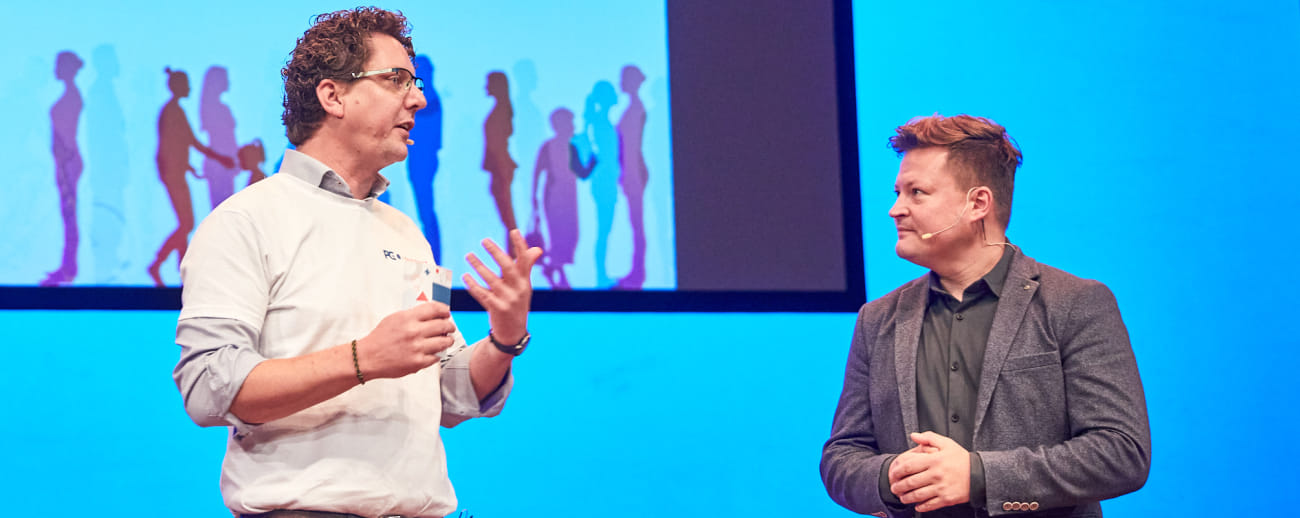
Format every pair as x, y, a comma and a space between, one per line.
896, 210
417, 99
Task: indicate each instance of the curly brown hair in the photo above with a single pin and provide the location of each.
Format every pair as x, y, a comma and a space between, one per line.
981, 149
333, 48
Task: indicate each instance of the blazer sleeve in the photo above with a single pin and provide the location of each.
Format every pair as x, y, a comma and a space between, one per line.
852, 458
1108, 452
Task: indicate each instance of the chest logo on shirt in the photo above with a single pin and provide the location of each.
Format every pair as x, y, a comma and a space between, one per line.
392, 256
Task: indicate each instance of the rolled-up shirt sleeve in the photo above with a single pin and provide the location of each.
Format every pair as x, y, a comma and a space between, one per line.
216, 356
459, 401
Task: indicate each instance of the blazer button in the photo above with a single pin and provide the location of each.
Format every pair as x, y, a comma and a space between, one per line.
1033, 506
1006, 506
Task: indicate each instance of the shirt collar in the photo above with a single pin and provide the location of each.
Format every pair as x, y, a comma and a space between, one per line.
994, 280
997, 277
308, 169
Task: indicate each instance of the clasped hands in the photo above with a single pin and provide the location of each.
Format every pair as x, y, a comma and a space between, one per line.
932, 475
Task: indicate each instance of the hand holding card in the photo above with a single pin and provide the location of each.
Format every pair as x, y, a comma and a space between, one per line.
427, 283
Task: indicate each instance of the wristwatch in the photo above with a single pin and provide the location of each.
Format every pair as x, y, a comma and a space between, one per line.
511, 349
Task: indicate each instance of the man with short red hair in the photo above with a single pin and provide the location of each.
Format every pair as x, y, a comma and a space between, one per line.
993, 384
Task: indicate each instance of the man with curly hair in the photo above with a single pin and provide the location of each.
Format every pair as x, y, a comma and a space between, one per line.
993, 384
299, 330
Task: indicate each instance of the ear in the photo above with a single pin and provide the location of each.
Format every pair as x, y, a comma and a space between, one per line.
330, 95
982, 203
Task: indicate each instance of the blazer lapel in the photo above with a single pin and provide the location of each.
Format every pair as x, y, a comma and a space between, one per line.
1019, 289
907, 337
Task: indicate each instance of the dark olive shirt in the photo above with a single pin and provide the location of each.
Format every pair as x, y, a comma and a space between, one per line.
949, 361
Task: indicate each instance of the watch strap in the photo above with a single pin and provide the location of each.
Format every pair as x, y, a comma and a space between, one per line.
511, 349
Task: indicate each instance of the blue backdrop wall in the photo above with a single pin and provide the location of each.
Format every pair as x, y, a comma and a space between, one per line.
1159, 144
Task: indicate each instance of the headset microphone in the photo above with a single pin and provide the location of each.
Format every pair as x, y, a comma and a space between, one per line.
964, 206
410, 142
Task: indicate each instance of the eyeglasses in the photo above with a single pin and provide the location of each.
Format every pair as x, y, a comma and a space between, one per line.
401, 80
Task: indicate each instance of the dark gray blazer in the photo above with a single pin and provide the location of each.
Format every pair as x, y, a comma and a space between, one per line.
1061, 419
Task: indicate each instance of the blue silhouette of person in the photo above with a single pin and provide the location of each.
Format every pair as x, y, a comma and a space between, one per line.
602, 139
422, 162
108, 166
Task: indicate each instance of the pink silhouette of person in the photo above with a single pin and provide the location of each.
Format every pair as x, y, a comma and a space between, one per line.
631, 128
250, 157
64, 116
558, 158
175, 138
496, 153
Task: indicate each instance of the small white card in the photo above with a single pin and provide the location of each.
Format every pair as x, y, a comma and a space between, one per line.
439, 283
426, 283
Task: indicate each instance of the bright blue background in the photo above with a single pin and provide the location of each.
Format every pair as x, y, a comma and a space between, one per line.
1159, 146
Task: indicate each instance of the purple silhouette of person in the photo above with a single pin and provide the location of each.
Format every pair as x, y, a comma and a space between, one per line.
496, 153
64, 116
558, 158
631, 128
175, 138
216, 119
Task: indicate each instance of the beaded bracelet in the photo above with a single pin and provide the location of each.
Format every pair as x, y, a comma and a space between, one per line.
360, 377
